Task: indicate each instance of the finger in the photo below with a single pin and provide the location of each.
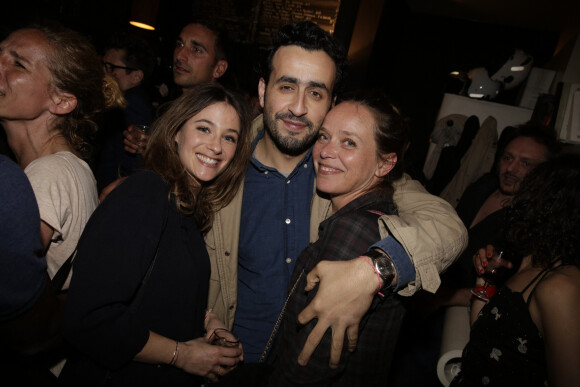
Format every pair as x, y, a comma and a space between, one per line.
228, 361
478, 261
490, 251
312, 342
352, 337
312, 279
307, 314
212, 377
336, 347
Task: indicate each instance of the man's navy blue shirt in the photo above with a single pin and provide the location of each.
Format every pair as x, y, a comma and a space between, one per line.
274, 229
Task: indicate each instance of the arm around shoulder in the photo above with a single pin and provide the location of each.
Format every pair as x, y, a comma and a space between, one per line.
429, 230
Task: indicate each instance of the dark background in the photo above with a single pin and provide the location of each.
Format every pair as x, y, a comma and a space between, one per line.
417, 43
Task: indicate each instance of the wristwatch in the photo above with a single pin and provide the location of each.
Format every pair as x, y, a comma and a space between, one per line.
384, 267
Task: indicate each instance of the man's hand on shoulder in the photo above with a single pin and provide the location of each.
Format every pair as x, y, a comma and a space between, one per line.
346, 290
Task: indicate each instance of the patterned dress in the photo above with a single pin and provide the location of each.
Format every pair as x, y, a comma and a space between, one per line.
505, 347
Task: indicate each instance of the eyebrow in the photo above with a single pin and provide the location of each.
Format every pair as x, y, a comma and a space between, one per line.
19, 57
285, 78
195, 43
213, 124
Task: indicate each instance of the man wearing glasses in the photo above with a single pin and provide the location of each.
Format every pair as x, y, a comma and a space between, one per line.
130, 61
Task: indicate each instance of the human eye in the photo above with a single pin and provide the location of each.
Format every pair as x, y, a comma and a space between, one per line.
507, 158
230, 138
349, 143
322, 137
286, 87
197, 49
203, 129
316, 94
178, 44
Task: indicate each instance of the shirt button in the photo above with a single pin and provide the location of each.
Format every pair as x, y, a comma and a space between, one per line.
288, 260
265, 172
288, 221
287, 181
305, 165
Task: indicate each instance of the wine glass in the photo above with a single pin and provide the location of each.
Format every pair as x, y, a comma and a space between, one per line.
223, 338
495, 269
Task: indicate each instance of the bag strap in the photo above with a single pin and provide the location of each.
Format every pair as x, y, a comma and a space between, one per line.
61, 275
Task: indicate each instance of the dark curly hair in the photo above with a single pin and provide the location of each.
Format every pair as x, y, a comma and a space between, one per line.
544, 217
310, 37
193, 197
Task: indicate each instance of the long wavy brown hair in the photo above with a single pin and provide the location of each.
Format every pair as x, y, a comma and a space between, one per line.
193, 197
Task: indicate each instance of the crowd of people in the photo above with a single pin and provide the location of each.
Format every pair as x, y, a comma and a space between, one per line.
293, 236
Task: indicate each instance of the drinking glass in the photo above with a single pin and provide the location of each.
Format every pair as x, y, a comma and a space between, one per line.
224, 338
495, 269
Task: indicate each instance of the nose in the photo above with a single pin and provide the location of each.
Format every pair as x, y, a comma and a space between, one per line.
327, 151
178, 54
298, 105
511, 166
215, 145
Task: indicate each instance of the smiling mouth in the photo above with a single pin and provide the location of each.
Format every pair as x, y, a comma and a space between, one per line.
206, 160
327, 169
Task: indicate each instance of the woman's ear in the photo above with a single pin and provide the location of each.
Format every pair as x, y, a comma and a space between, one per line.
63, 103
386, 164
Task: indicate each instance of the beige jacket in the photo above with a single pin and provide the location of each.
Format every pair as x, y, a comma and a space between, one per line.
427, 227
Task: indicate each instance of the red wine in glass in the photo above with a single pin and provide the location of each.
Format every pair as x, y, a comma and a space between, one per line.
494, 270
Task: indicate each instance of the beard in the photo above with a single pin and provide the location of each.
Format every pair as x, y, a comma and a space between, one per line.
509, 189
290, 145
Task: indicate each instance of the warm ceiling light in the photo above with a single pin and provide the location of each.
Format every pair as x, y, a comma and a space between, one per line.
144, 14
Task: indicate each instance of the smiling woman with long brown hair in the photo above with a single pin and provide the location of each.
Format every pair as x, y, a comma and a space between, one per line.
136, 305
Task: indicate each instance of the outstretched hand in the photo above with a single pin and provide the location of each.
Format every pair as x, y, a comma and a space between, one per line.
345, 293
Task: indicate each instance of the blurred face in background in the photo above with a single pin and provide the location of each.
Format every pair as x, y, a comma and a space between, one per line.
520, 156
194, 57
113, 64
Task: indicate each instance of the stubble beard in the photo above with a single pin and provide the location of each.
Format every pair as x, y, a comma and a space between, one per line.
290, 145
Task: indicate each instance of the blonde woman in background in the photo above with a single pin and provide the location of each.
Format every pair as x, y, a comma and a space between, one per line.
52, 86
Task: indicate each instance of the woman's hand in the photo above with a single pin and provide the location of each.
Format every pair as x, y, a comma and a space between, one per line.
482, 255
210, 361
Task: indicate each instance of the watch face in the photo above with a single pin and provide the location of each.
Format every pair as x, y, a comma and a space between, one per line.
382, 264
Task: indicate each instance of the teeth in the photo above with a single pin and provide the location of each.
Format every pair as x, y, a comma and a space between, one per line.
327, 169
207, 160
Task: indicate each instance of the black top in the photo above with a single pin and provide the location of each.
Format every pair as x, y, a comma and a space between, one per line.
488, 231
505, 347
114, 254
